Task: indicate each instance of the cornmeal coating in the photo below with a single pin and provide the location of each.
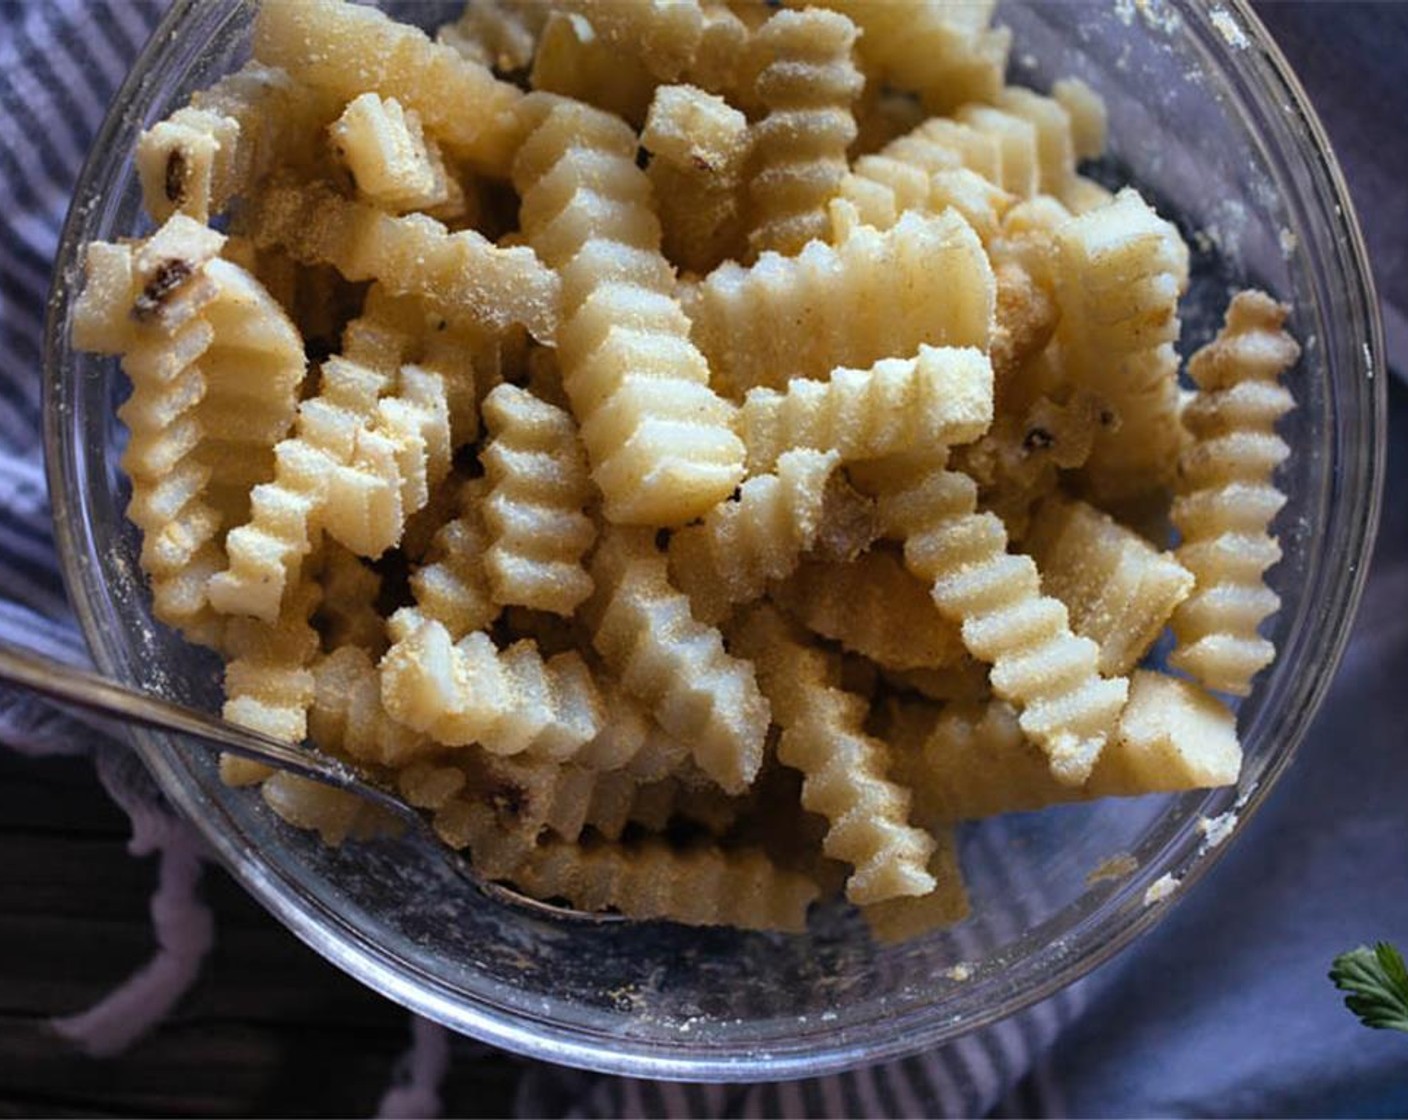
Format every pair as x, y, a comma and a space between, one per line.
508, 701
348, 715
461, 275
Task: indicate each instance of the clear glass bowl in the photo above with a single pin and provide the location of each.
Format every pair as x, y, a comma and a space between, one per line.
1207, 119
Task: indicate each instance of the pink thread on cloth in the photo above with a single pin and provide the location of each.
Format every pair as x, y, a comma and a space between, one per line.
183, 924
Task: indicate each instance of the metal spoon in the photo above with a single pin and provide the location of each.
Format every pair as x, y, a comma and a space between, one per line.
82, 689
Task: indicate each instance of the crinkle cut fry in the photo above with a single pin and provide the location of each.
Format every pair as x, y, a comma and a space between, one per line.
758, 536
348, 615
391, 160
268, 684
452, 586
573, 61
215, 366
1120, 269
938, 398
844, 770
500, 34
973, 761
348, 714
873, 295
1118, 589
651, 880
347, 49
462, 276
660, 441
946, 52
644, 631
875, 607
1019, 461
357, 465
807, 82
538, 490
630, 739
902, 919
664, 34
698, 145
1226, 499
995, 597
508, 701
218, 147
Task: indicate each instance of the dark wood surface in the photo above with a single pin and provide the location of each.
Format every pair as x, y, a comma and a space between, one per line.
268, 1029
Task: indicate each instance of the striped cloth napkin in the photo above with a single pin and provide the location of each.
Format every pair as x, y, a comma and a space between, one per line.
61, 61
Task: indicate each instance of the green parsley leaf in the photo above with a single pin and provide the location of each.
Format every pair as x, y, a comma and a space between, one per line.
1377, 981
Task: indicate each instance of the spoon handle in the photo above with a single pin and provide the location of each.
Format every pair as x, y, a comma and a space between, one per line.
83, 689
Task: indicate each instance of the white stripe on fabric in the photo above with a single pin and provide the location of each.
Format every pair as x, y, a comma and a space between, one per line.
136, 21
111, 60
22, 483
59, 56
42, 634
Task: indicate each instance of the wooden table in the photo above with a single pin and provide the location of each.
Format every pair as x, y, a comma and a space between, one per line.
268, 1029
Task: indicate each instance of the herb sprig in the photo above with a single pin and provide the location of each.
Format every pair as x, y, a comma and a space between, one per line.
1377, 982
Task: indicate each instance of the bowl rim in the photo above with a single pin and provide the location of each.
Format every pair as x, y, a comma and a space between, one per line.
339, 941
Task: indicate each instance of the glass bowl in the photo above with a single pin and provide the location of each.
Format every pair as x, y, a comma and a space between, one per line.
1206, 118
